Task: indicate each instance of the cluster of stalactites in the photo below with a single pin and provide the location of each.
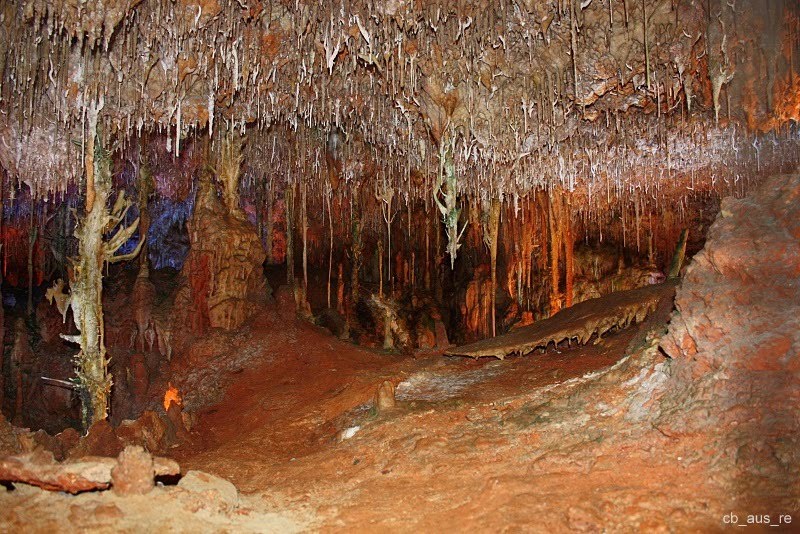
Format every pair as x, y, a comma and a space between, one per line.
536, 86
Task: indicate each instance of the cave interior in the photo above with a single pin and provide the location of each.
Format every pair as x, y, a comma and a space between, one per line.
458, 265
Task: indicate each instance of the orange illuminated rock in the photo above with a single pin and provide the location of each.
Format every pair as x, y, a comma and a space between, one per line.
172, 395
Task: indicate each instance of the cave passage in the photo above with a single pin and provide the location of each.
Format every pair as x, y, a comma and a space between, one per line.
288, 266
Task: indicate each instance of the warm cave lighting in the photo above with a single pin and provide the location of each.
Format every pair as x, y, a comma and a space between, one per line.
172, 395
416, 265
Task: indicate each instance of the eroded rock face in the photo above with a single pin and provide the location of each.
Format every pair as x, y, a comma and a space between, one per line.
225, 281
735, 339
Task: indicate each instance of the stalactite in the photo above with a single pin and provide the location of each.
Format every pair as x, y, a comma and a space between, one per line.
569, 257
446, 188
229, 167
270, 222
289, 198
386, 195
555, 245
491, 232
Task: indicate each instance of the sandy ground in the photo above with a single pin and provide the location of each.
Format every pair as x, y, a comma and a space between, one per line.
487, 444
539, 443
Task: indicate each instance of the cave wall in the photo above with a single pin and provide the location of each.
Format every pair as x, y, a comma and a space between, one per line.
734, 341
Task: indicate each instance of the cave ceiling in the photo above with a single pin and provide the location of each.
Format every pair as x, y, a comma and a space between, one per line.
599, 96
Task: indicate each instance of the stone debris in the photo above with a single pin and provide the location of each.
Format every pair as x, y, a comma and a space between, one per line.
39, 468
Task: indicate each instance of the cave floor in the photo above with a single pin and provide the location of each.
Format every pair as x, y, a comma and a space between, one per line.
472, 444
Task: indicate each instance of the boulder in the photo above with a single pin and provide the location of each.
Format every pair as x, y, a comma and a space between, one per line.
209, 485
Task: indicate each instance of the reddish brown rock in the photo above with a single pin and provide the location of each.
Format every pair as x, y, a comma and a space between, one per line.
476, 307
50, 443
150, 431
89, 473
142, 298
285, 303
425, 336
442, 341
209, 486
101, 440
175, 418
40, 469
8, 441
139, 379
107, 512
223, 269
69, 438
735, 339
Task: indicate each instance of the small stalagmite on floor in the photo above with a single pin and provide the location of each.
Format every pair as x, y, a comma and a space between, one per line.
384, 398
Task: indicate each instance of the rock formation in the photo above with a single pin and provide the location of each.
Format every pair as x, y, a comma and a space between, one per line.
735, 341
225, 283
